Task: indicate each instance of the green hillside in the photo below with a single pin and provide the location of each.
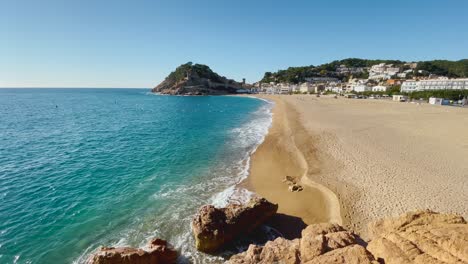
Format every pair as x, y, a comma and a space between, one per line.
298, 74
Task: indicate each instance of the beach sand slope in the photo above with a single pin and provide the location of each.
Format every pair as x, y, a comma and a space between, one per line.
288, 151
381, 158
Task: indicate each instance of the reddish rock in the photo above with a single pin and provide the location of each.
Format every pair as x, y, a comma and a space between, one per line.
159, 252
278, 251
420, 237
320, 243
214, 227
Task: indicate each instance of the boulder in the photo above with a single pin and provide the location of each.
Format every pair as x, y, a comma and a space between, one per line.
159, 252
320, 243
279, 250
214, 227
420, 237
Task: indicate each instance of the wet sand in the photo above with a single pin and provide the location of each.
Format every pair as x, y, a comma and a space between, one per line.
288, 151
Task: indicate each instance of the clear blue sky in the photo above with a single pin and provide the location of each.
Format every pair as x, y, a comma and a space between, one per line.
100, 43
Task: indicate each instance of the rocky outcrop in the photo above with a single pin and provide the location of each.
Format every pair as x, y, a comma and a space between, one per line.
196, 79
420, 237
214, 227
159, 252
279, 250
321, 243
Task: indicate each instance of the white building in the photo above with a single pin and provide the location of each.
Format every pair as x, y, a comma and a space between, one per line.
295, 88
402, 75
306, 88
335, 87
380, 76
383, 71
284, 88
378, 68
270, 90
392, 70
435, 84
362, 88
409, 86
443, 84
379, 88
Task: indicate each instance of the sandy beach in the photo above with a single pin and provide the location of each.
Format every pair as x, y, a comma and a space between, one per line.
361, 160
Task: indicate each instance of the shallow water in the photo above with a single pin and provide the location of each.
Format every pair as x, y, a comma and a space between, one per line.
80, 168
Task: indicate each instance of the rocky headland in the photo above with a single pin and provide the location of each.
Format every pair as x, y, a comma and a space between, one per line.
196, 79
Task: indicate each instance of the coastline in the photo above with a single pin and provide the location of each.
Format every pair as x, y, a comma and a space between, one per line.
287, 150
380, 158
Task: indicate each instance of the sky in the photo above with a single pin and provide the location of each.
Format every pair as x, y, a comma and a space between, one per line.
135, 44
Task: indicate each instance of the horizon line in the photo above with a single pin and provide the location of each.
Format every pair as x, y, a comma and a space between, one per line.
71, 87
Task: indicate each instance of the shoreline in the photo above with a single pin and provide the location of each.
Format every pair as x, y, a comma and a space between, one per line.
377, 157
282, 153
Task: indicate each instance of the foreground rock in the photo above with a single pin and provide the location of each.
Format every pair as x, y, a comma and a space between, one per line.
159, 252
420, 237
214, 227
320, 243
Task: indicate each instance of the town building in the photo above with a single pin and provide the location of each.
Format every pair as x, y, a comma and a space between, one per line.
409, 86
285, 88
393, 82
362, 88
380, 76
335, 87
379, 88
383, 71
357, 85
306, 88
441, 83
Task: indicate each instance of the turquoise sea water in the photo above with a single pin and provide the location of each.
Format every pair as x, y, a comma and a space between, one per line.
81, 168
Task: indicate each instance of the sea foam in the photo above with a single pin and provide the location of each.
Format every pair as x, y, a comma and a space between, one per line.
248, 137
